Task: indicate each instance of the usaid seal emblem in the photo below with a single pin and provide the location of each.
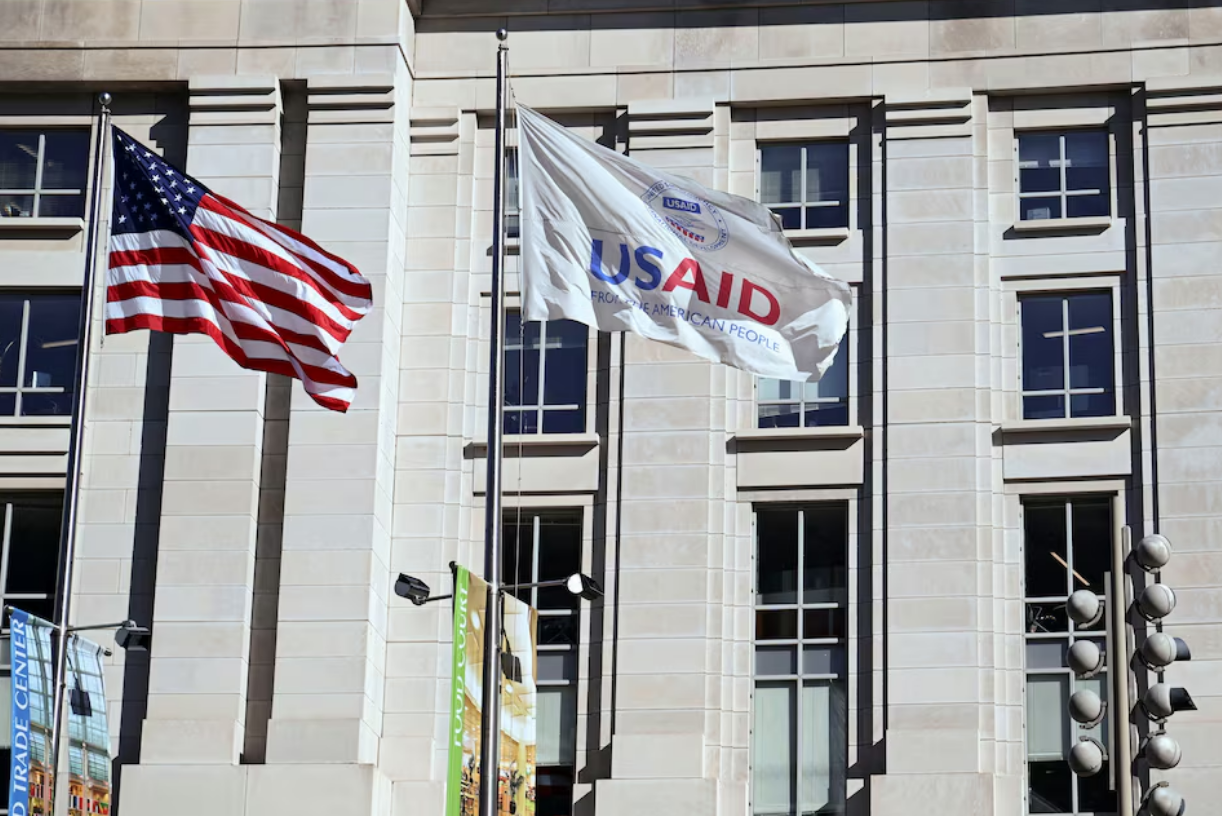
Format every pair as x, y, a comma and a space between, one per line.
695, 221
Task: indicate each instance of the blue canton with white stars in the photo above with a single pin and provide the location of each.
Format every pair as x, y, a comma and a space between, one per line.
149, 194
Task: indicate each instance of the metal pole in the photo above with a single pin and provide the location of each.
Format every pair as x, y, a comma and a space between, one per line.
490, 723
1121, 668
76, 438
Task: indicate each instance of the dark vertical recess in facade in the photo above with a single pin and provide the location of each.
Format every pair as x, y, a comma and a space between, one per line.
265, 603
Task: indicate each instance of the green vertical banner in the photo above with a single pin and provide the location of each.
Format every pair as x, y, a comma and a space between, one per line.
515, 774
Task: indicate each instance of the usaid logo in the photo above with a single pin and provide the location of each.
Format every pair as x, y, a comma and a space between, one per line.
694, 221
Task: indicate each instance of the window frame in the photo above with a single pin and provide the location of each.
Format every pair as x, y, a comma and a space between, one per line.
1065, 288
846, 659
801, 402
8, 501
1063, 192
540, 407
1102, 635
850, 151
37, 192
23, 339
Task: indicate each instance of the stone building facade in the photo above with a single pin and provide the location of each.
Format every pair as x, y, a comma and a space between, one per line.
838, 599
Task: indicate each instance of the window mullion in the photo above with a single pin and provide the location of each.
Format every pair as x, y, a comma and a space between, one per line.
23, 341
539, 400
1065, 352
1064, 180
42, 149
4, 548
801, 597
534, 560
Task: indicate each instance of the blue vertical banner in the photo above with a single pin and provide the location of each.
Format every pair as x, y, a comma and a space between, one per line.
31, 776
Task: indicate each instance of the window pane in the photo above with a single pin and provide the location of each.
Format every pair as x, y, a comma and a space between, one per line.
777, 557
1039, 156
1046, 654
517, 552
1086, 156
1092, 544
827, 172
33, 548
791, 217
825, 550
571, 421
18, 159
16, 206
559, 557
556, 725
11, 310
1051, 786
771, 390
1090, 354
51, 346
1088, 206
558, 630
835, 381
1042, 321
1047, 717
1092, 405
522, 422
1052, 407
826, 415
512, 189
1045, 551
554, 792
780, 416
521, 362
824, 659
774, 749
61, 206
65, 159
1093, 793
779, 625
823, 623
780, 174
828, 217
775, 660
1039, 209
565, 367
824, 747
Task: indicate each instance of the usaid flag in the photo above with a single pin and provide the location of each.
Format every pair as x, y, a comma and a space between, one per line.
621, 246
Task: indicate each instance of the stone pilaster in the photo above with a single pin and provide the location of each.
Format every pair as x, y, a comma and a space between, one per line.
209, 514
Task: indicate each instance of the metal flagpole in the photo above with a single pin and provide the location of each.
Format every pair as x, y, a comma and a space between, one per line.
76, 437
490, 723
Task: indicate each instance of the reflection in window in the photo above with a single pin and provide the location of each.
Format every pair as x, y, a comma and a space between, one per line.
800, 738
1068, 362
818, 404
546, 546
806, 185
545, 376
42, 173
29, 546
1063, 175
1067, 547
512, 192
38, 346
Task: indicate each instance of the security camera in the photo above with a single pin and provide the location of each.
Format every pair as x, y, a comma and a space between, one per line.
413, 589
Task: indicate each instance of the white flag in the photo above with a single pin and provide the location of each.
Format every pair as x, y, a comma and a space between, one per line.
621, 246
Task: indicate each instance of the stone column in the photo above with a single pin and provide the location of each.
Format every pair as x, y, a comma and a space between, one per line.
1182, 145
938, 477
666, 755
335, 584
205, 567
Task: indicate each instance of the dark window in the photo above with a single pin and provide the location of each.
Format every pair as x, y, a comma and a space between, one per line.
512, 193
1067, 546
29, 543
545, 376
1064, 175
799, 753
38, 346
42, 173
1068, 362
785, 404
806, 185
546, 546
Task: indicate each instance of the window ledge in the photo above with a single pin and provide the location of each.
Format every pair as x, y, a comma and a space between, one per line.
16, 224
27, 421
825, 432
556, 440
1056, 225
806, 237
1074, 424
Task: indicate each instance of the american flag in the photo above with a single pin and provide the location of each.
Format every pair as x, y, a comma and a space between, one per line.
185, 260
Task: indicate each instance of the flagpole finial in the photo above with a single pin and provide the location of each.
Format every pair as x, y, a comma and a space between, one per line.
502, 34
104, 99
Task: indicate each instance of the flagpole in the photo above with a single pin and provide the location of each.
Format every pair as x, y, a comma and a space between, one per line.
490, 723
76, 438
